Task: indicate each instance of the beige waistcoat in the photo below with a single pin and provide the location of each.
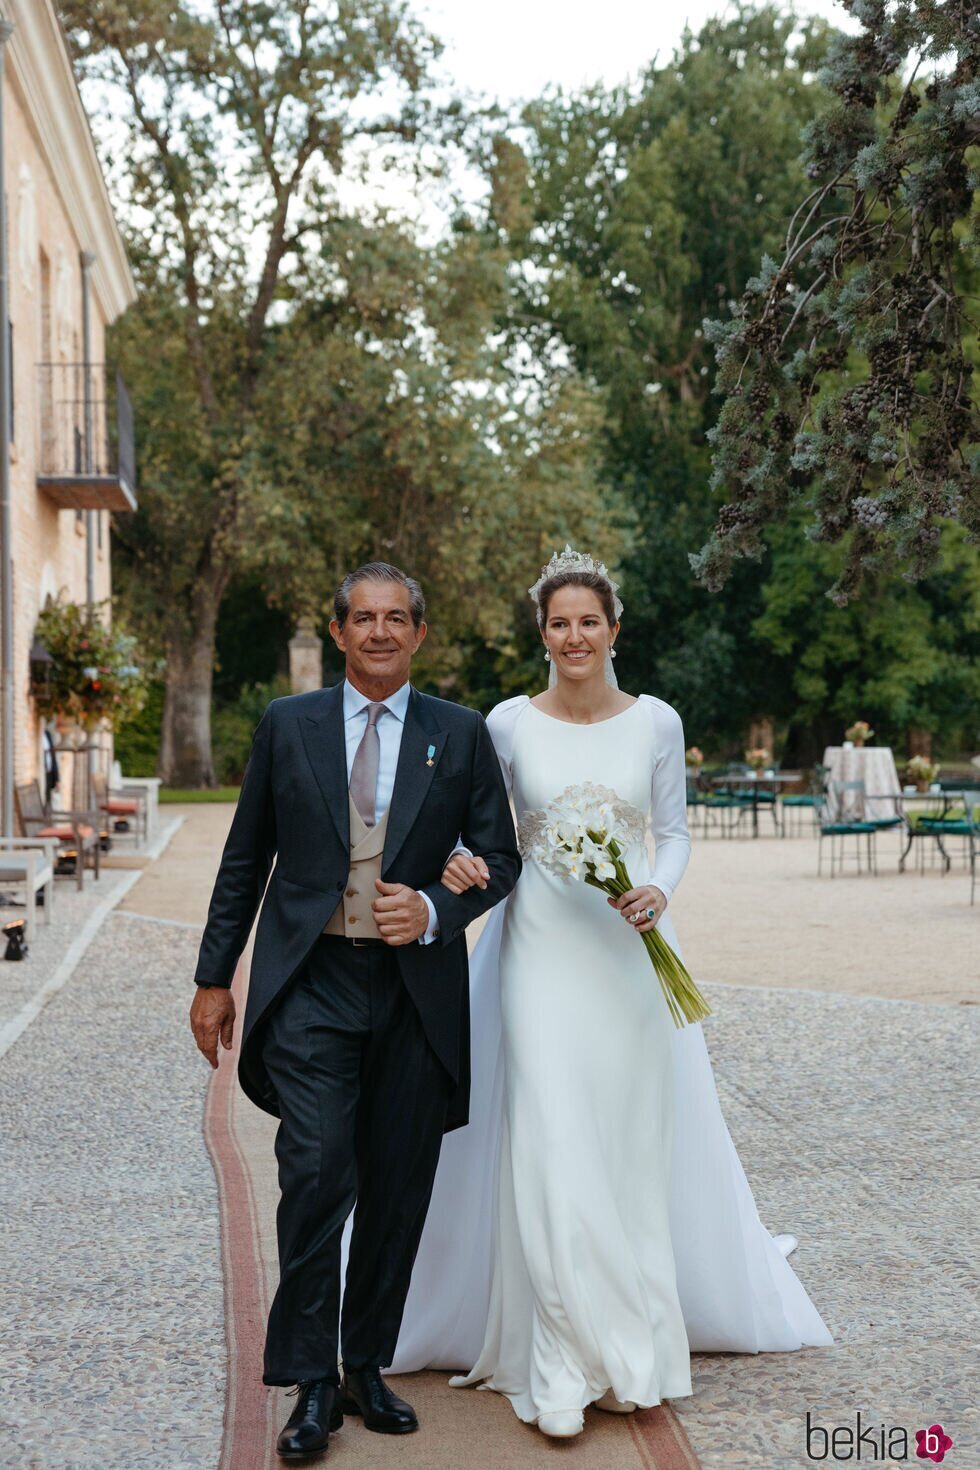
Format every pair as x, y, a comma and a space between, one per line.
354, 916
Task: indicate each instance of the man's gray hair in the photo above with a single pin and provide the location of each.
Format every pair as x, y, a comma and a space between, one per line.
378, 571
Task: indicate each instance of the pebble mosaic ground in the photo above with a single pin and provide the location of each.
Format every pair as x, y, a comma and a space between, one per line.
112, 1353
854, 1118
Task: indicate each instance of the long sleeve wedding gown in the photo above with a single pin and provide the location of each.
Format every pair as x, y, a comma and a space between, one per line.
593, 1224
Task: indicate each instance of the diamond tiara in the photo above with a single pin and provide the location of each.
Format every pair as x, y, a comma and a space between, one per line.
575, 561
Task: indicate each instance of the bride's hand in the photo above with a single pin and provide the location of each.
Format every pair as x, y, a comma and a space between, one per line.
462, 872
634, 904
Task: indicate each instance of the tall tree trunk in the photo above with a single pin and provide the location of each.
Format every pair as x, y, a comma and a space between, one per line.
919, 741
185, 745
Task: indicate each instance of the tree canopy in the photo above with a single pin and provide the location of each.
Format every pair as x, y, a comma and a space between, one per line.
847, 363
316, 383
313, 385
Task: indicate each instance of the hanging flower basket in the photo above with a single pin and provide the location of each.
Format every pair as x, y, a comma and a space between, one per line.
93, 678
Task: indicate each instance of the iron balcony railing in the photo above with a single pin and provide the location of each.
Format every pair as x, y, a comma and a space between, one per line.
87, 457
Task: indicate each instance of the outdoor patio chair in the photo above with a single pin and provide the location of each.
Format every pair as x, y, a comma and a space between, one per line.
845, 822
118, 805
78, 831
718, 809
955, 825
695, 800
29, 863
799, 802
739, 799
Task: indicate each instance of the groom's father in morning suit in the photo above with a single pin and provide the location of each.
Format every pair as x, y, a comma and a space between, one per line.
356, 1029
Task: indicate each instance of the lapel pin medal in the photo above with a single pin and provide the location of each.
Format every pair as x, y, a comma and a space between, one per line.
429, 754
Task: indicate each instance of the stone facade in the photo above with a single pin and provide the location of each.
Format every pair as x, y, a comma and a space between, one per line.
57, 207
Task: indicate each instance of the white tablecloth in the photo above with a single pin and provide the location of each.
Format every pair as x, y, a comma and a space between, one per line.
872, 764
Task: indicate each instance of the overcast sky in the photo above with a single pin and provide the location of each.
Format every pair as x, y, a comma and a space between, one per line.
514, 48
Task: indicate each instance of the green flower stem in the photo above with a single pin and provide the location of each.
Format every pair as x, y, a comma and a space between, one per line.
684, 1000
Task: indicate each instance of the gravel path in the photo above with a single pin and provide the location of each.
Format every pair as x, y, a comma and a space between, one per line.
855, 1120
112, 1352
70, 913
754, 912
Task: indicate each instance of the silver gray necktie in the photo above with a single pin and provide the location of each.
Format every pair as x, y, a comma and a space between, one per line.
364, 771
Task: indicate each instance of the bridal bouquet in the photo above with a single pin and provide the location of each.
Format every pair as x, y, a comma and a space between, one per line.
583, 834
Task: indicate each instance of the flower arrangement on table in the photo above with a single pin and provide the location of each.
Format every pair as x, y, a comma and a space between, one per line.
858, 733
759, 757
694, 758
92, 674
922, 771
582, 834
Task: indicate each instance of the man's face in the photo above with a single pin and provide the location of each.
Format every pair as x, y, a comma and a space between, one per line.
378, 637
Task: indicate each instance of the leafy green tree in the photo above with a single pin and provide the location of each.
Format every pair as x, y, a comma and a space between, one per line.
238, 119
902, 656
436, 458
312, 387
632, 215
847, 363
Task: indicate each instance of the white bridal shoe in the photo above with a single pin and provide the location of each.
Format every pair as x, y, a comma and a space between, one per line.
563, 1424
612, 1405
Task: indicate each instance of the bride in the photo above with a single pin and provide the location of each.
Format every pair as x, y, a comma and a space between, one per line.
593, 1225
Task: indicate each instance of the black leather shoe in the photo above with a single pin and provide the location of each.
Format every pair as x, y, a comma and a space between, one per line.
363, 1391
308, 1427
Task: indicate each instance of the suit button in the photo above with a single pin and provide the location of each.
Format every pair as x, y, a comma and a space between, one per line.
352, 893
340, 887
352, 920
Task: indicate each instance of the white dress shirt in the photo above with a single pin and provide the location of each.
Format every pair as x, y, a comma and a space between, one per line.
390, 726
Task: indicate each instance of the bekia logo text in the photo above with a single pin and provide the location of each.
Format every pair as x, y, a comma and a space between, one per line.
844, 1442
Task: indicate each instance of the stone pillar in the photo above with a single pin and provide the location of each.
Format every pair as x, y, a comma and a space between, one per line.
305, 658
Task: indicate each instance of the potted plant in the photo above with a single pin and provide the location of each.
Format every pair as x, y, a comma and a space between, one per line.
922, 771
758, 758
92, 677
858, 733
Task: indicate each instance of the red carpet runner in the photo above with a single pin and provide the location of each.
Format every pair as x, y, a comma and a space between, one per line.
460, 1430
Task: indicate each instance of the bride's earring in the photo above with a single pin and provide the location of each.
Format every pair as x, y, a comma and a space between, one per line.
612, 651
547, 656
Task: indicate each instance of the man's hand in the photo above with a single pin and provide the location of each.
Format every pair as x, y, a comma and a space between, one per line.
462, 872
212, 1015
401, 914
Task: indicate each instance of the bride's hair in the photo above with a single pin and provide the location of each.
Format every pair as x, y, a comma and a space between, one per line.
592, 580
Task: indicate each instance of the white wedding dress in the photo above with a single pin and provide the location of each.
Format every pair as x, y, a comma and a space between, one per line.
593, 1224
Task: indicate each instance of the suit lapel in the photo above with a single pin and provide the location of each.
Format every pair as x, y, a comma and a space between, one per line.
324, 740
413, 774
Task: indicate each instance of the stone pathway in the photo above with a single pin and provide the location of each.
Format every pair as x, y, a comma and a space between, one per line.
112, 1353
72, 913
856, 1122
854, 1118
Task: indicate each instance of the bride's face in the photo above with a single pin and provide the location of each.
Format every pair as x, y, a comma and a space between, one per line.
576, 633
